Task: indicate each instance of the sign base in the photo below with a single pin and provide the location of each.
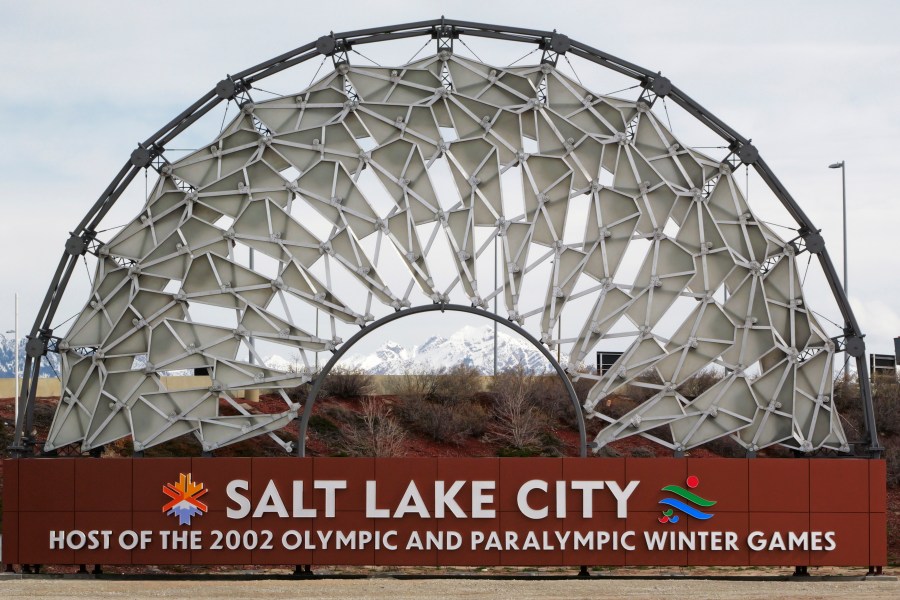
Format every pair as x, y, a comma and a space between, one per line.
445, 511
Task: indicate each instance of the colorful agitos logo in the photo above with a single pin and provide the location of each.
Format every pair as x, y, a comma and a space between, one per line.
669, 516
184, 504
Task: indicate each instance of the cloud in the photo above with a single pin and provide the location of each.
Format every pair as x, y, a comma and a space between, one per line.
880, 322
809, 82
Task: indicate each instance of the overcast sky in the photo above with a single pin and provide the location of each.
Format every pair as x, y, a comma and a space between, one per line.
810, 82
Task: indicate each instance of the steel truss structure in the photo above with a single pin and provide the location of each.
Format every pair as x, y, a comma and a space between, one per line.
277, 162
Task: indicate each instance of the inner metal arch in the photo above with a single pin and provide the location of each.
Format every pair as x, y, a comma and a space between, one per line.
149, 153
345, 347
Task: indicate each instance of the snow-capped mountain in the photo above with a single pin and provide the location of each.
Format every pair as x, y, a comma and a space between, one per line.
279, 363
8, 358
470, 345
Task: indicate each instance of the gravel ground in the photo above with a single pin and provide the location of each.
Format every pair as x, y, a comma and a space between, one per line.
447, 588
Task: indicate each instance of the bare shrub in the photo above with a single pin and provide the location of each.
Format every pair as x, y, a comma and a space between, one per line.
415, 383
461, 382
847, 401
642, 393
699, 382
299, 393
375, 433
298, 365
608, 452
663, 433
518, 422
450, 422
776, 451
726, 447
346, 383
616, 406
892, 457
324, 427
886, 403
440, 404
339, 414
846, 392
643, 452
552, 398
552, 444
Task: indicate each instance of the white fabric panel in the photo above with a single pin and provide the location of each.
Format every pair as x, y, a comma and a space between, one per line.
656, 224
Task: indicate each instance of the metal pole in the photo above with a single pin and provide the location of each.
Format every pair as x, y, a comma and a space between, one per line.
252, 350
846, 288
495, 305
842, 166
559, 337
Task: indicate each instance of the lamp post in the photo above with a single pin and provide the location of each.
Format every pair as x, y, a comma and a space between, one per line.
495, 306
252, 349
842, 167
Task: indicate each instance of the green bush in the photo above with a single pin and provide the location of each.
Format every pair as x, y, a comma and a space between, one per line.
513, 452
323, 426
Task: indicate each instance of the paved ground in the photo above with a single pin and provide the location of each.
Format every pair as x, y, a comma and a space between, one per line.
446, 588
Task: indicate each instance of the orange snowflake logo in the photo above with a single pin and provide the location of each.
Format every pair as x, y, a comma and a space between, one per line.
184, 494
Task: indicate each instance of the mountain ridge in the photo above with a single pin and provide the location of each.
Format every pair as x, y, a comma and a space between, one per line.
49, 366
472, 346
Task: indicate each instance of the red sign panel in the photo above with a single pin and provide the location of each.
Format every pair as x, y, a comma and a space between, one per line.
445, 511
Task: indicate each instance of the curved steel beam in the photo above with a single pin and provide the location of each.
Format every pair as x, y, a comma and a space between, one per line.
229, 88
314, 391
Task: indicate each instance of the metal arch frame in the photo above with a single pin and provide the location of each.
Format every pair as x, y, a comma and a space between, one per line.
472, 310
234, 87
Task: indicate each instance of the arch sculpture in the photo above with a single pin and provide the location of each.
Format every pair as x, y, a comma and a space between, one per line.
419, 170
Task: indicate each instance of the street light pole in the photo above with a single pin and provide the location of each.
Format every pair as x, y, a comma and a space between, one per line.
495, 306
842, 166
252, 349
